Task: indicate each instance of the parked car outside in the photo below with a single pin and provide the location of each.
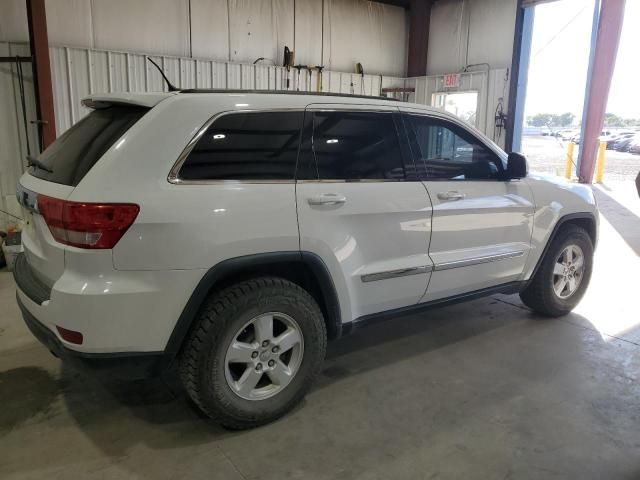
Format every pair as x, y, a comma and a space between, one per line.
614, 137
566, 135
634, 146
232, 234
622, 145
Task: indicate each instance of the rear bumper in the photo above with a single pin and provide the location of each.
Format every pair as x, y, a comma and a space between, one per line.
115, 311
121, 365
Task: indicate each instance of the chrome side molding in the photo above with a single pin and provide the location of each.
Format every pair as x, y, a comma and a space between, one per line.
477, 260
402, 272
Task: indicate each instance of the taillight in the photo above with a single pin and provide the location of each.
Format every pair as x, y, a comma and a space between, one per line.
87, 225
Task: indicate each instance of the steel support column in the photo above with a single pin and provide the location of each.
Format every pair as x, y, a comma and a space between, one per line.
600, 73
419, 17
514, 73
39, 43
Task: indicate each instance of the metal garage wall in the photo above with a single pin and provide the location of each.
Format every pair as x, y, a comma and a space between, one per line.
464, 32
77, 72
13, 142
333, 33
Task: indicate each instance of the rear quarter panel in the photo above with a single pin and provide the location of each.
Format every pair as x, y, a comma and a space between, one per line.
187, 226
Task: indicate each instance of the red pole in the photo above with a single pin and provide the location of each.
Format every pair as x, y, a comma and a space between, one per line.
39, 43
604, 61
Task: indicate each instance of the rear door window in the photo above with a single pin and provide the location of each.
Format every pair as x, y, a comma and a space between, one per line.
77, 150
246, 146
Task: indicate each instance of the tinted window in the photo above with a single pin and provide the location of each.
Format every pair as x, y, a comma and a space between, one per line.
77, 150
446, 151
247, 146
356, 146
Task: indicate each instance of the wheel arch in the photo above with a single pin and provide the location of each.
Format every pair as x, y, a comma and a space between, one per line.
303, 268
584, 220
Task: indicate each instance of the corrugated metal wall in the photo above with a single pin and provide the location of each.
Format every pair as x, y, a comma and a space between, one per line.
13, 141
77, 72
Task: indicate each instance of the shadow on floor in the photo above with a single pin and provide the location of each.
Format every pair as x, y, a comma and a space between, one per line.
27, 394
625, 222
120, 418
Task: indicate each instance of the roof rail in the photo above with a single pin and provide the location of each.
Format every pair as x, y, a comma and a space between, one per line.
283, 92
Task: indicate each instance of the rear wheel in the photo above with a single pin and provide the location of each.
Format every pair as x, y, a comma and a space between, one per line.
254, 352
564, 274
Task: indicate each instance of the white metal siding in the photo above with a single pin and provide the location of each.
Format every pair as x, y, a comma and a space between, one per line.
338, 36
464, 32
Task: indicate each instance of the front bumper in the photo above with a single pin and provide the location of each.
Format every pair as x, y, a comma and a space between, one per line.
121, 365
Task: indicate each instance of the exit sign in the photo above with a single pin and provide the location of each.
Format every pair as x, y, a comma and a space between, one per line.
451, 80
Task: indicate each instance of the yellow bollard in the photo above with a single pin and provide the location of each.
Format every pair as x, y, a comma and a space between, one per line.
600, 162
569, 164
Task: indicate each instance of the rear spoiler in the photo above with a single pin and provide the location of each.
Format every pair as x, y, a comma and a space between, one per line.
104, 100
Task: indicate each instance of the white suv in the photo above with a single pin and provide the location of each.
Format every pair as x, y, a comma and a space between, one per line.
233, 233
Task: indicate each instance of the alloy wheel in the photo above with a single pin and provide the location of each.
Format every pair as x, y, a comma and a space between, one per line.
568, 271
264, 356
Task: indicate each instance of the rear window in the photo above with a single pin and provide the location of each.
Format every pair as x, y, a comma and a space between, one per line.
247, 146
77, 150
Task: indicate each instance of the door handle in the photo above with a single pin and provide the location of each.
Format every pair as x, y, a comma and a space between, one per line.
451, 195
327, 199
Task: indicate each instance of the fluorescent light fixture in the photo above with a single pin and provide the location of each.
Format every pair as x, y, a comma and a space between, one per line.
332, 140
219, 136
242, 104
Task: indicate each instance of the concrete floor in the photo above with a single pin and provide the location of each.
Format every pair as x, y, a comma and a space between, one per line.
478, 390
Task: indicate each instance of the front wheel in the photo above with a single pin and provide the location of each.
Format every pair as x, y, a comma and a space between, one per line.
564, 274
254, 352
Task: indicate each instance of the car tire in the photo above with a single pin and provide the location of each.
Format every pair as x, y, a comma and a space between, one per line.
238, 316
545, 294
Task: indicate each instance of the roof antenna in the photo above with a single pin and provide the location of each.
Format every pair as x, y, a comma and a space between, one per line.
170, 86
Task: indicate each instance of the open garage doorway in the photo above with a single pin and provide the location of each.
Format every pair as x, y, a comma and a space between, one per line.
557, 39
557, 79
464, 105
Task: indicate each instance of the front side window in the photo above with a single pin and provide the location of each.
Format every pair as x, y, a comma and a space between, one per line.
356, 146
246, 146
446, 151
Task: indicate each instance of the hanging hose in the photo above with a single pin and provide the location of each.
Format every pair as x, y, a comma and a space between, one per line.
10, 214
23, 103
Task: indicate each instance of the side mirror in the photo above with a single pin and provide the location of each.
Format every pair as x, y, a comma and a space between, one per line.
516, 166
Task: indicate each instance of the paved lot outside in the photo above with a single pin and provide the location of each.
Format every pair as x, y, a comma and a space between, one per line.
548, 155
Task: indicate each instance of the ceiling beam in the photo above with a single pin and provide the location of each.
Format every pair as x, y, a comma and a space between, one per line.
419, 18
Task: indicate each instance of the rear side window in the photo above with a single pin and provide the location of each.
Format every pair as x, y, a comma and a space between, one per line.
246, 146
356, 146
77, 150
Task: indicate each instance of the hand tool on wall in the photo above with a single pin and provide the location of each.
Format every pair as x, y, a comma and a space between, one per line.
360, 71
298, 68
310, 71
287, 62
319, 80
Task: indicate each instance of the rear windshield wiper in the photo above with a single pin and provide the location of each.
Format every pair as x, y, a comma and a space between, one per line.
34, 162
